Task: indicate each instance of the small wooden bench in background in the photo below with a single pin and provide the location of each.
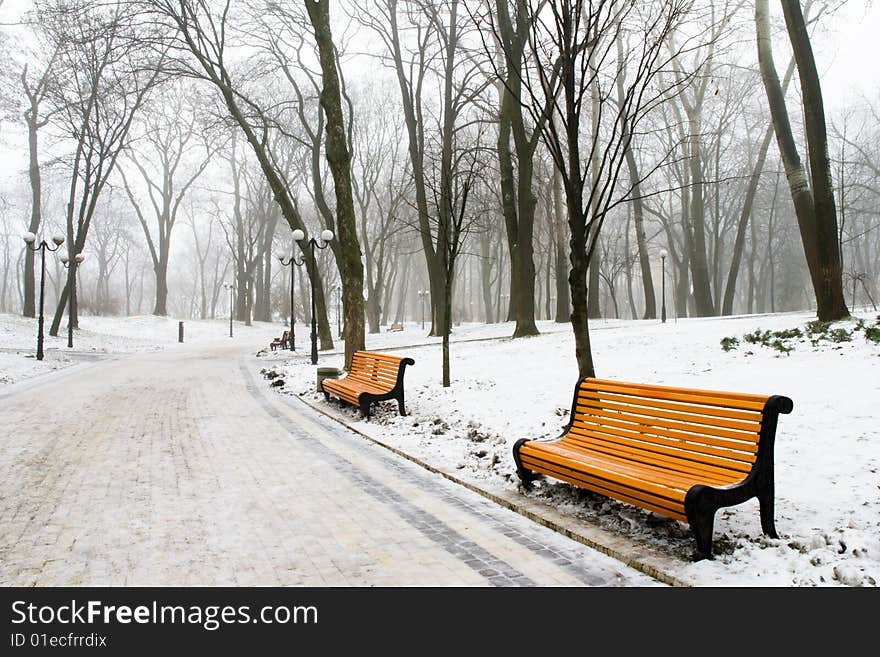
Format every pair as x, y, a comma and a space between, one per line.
283, 341
396, 326
373, 377
679, 452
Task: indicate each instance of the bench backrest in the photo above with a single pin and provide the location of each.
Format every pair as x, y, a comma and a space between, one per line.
698, 431
371, 367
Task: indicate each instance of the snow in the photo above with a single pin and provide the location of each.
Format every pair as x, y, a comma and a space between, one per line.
103, 337
827, 452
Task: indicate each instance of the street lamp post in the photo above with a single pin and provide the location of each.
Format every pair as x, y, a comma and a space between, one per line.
290, 262
65, 260
338, 315
231, 288
312, 243
423, 294
31, 239
663, 286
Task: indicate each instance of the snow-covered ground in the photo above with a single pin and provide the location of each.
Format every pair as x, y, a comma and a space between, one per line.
101, 337
827, 450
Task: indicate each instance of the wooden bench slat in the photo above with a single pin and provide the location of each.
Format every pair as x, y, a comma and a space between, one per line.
727, 460
652, 449
738, 441
667, 392
621, 394
704, 412
659, 469
597, 467
588, 445
634, 406
653, 503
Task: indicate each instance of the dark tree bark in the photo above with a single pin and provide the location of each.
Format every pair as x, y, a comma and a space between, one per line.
339, 159
35, 94
815, 208
518, 199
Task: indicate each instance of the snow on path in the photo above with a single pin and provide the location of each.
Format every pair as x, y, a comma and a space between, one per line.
178, 468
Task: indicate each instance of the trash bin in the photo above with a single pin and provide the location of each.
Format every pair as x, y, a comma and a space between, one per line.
327, 373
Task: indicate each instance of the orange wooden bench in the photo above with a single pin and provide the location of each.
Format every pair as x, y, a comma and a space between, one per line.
679, 452
372, 378
280, 342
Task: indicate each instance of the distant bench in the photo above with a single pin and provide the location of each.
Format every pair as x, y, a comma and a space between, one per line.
679, 452
283, 341
373, 377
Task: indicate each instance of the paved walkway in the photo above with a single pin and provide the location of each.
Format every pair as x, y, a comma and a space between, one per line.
180, 468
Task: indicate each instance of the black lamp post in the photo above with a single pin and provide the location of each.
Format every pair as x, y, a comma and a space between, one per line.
65, 260
290, 262
312, 243
338, 314
423, 294
231, 288
663, 286
31, 239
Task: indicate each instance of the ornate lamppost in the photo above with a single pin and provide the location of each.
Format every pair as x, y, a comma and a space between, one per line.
30, 240
290, 262
65, 260
663, 286
312, 244
231, 288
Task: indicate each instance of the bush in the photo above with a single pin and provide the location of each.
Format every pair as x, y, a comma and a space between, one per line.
839, 335
781, 347
872, 333
758, 337
816, 327
729, 344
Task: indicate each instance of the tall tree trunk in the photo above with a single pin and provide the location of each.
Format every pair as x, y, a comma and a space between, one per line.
563, 296
36, 213
338, 157
815, 210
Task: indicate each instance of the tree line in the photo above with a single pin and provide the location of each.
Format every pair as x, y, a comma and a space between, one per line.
493, 160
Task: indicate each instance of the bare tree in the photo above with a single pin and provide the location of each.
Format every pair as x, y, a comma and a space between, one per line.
574, 44
197, 32
35, 90
161, 155
101, 81
813, 197
423, 44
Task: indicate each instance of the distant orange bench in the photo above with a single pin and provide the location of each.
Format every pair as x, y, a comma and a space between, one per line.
373, 377
283, 341
679, 452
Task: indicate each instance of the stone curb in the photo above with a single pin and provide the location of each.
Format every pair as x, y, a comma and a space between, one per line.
643, 558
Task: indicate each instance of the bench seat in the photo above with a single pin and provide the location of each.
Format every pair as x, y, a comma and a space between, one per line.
680, 452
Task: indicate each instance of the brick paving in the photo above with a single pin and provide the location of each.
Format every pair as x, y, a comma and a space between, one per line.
180, 468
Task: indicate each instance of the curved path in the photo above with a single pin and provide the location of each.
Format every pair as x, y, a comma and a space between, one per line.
181, 468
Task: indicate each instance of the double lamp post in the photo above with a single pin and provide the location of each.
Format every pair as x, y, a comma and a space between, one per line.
310, 246
31, 242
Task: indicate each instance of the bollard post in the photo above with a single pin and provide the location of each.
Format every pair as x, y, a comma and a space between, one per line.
180, 331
